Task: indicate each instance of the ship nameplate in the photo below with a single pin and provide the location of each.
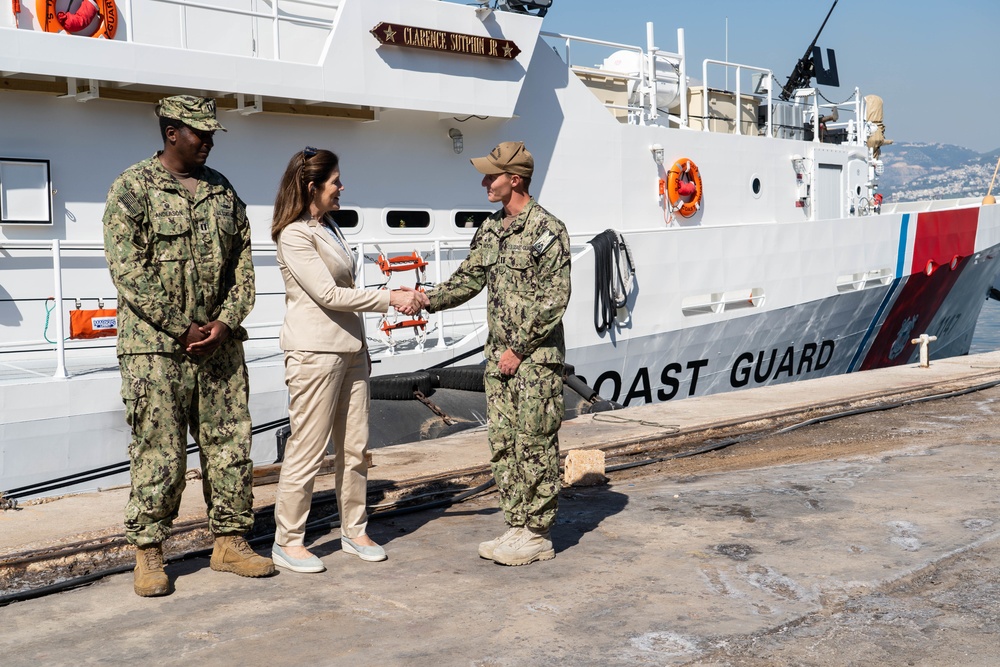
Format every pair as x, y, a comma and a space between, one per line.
394, 34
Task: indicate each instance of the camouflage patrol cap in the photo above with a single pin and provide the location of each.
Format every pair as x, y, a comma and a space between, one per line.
196, 112
508, 157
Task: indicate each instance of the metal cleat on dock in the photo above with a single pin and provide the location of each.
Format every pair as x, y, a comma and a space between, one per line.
923, 340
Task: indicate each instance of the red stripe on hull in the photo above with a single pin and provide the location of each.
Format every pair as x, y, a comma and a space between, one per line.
943, 245
943, 235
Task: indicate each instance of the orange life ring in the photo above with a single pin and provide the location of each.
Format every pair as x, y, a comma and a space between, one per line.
107, 15
683, 180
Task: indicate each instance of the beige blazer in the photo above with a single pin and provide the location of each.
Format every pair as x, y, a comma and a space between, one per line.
323, 308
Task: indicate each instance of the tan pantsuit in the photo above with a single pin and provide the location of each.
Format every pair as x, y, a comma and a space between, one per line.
326, 370
329, 402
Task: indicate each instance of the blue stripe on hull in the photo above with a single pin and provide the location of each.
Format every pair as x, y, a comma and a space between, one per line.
900, 265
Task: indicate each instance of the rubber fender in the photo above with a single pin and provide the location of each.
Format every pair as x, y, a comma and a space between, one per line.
465, 378
400, 386
578, 385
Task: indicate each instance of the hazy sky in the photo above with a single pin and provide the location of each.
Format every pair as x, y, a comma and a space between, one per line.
934, 64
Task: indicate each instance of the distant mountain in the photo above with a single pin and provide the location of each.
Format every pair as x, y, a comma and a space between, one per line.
917, 172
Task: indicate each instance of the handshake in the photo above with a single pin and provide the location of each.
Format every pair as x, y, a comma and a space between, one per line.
408, 301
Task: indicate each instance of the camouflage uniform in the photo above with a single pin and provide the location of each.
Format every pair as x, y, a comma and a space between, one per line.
175, 259
526, 272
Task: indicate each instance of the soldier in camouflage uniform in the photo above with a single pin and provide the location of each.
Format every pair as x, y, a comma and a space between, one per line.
521, 256
177, 241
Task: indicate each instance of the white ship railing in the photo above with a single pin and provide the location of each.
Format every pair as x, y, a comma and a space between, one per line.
645, 80
738, 121
439, 249
274, 16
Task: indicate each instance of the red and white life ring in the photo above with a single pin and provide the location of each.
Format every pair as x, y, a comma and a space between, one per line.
58, 16
684, 187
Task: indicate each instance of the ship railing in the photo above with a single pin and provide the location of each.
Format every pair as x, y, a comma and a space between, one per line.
276, 16
852, 125
57, 344
744, 106
443, 253
855, 132
637, 88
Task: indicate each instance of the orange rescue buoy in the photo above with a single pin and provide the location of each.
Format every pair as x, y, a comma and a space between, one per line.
684, 187
104, 11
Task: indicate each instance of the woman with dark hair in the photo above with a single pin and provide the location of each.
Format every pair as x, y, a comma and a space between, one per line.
326, 359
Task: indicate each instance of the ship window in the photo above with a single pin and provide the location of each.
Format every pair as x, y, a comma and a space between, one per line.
471, 219
346, 218
408, 219
755, 186
25, 192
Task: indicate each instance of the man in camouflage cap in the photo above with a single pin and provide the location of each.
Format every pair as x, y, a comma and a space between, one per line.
196, 112
177, 241
521, 256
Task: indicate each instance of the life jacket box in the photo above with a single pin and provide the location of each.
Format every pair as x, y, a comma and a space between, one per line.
95, 323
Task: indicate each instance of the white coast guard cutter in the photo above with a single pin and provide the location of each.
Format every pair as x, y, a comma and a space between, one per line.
751, 213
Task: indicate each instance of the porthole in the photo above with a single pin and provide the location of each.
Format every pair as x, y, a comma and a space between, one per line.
408, 219
346, 218
470, 219
755, 187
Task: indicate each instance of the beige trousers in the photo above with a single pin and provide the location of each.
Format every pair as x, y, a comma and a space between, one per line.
328, 402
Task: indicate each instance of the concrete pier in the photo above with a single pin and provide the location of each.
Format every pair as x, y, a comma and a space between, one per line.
860, 539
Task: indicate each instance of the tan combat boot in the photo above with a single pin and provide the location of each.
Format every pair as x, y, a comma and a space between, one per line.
486, 549
527, 546
233, 554
149, 579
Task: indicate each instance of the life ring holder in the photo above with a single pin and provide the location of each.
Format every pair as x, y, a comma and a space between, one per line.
107, 14
680, 178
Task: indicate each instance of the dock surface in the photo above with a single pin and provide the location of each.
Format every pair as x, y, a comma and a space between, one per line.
866, 537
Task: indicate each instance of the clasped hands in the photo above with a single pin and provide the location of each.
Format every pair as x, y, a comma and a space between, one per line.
203, 339
408, 301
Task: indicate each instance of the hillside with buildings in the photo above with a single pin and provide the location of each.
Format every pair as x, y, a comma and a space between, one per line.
936, 171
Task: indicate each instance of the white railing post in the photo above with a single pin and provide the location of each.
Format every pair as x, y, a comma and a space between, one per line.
815, 96
128, 22
651, 52
770, 91
359, 270
704, 96
183, 18
739, 101
274, 29
684, 78
60, 343
437, 281
857, 116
